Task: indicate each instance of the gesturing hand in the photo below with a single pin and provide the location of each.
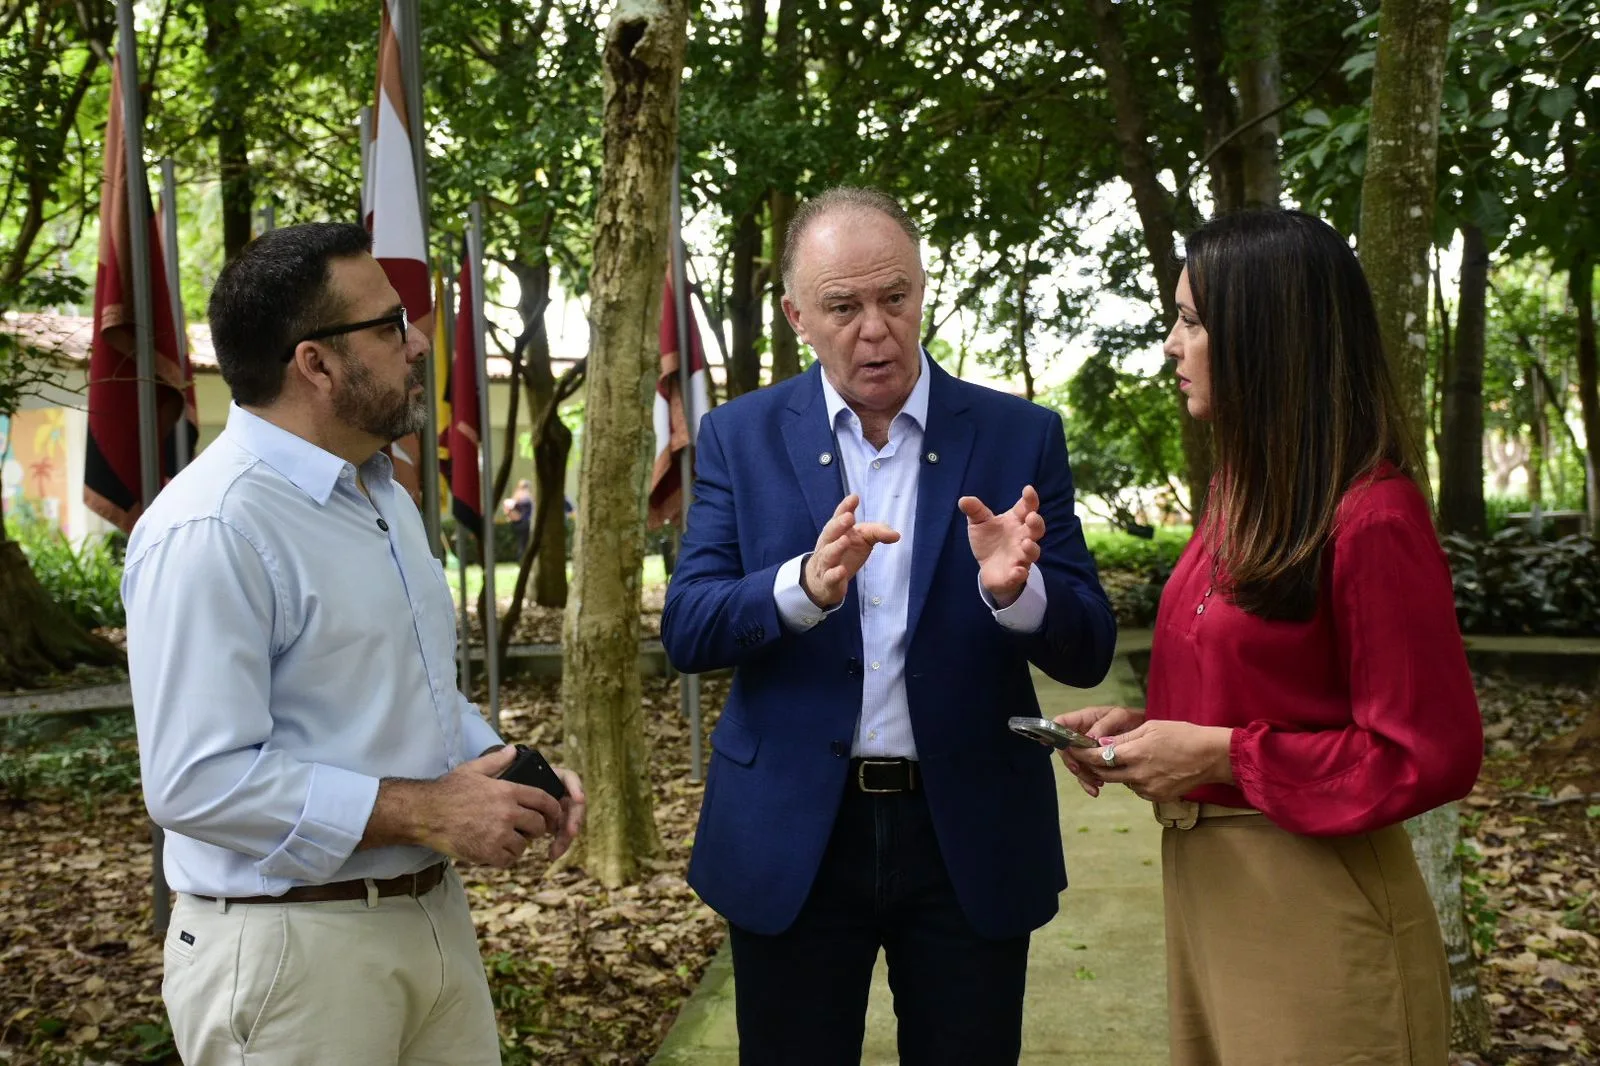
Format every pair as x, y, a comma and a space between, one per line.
842, 549
1005, 544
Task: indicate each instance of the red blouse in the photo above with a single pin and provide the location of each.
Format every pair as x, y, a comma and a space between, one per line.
1361, 717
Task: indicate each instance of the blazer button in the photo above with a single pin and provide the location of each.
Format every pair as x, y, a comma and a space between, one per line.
853, 667
838, 749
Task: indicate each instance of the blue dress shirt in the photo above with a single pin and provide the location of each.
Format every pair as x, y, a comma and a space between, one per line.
291, 641
886, 481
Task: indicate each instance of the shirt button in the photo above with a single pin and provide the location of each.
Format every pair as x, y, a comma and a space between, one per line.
383, 525
876, 664
347, 472
872, 735
1200, 609
876, 600
876, 463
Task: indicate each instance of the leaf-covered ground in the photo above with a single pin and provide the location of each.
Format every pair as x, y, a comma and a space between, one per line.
582, 975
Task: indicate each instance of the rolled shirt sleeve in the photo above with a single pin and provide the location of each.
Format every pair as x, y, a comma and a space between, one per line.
201, 610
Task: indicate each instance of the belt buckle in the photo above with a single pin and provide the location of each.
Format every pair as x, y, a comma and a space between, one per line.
1177, 814
861, 776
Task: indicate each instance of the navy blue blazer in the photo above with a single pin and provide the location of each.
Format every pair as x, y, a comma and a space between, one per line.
781, 749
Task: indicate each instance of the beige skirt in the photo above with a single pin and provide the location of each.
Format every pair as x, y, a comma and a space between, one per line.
1297, 950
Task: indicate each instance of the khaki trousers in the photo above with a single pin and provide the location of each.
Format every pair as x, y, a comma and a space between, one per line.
396, 983
1296, 950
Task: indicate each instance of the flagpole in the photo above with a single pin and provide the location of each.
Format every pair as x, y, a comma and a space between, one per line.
364, 126
410, 32
491, 641
169, 223
144, 345
463, 626
690, 685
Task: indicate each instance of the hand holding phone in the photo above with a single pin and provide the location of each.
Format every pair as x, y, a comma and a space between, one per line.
530, 768
1047, 732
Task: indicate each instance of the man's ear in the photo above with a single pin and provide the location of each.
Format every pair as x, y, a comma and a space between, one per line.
311, 363
792, 313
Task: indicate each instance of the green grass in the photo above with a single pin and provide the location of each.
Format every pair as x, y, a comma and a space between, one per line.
505, 576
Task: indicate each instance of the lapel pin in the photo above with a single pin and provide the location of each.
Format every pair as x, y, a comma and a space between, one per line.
933, 457
825, 458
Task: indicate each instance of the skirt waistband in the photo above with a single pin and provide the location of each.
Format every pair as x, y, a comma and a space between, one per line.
1185, 814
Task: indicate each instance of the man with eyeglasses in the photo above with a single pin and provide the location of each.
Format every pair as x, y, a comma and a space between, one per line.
291, 645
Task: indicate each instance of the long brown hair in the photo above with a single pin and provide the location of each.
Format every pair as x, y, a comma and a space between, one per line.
1302, 400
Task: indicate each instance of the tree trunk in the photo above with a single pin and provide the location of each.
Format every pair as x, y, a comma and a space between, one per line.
1217, 111
1580, 287
1154, 204
38, 637
1397, 197
1461, 508
600, 690
1259, 76
227, 118
1436, 841
744, 307
1021, 326
550, 450
785, 345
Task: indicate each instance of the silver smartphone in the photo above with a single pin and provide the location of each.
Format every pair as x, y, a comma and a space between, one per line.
1048, 732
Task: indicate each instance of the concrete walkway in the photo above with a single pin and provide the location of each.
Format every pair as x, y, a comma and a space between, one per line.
1096, 974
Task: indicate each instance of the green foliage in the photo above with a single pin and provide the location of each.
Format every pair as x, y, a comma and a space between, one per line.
1123, 435
1115, 550
1513, 583
84, 765
86, 580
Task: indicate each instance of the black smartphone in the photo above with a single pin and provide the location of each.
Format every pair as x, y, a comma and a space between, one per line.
529, 768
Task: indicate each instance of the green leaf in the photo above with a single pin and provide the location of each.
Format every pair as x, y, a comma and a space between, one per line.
1317, 154
1555, 103
1359, 63
1493, 120
1316, 117
1455, 98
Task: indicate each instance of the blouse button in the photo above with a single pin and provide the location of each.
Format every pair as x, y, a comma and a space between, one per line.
1200, 609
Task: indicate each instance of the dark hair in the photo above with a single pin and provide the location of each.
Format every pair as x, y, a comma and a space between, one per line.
274, 292
840, 197
1302, 399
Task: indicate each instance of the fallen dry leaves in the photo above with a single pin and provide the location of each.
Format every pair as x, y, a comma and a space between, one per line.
585, 975
580, 974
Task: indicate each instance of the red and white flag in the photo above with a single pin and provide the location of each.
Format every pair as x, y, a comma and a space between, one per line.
394, 211
674, 431
112, 482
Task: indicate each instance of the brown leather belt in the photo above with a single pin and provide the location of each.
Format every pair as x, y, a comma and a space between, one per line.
884, 775
417, 884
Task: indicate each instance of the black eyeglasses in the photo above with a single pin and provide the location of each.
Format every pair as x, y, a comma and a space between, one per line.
398, 319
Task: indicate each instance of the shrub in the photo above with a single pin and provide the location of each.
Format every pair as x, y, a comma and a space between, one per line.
1515, 583
86, 764
85, 580
1115, 550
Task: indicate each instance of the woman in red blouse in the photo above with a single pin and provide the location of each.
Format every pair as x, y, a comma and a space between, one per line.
1308, 689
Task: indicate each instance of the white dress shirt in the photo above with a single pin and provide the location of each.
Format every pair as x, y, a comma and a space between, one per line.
886, 481
290, 642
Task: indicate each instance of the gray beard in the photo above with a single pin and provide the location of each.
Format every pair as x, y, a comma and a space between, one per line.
362, 405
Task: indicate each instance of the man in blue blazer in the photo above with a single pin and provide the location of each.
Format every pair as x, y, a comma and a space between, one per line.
864, 790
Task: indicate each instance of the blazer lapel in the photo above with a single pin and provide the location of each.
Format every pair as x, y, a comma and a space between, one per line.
946, 448
812, 450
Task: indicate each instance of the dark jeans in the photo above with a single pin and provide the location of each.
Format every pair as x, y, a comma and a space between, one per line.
802, 995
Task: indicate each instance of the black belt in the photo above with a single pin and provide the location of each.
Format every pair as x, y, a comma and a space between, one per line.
418, 884
885, 775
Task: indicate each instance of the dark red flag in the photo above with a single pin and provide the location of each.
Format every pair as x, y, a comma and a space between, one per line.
466, 492
111, 479
674, 432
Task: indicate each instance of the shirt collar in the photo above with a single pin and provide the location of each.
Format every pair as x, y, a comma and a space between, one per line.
311, 469
916, 405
